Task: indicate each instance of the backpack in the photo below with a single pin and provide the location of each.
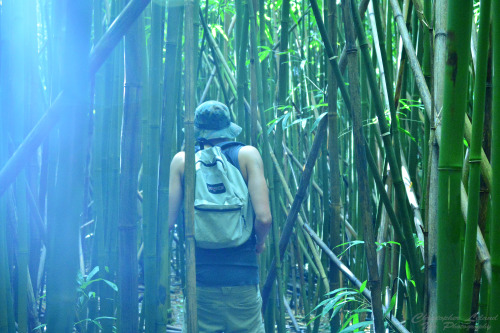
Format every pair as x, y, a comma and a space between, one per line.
223, 212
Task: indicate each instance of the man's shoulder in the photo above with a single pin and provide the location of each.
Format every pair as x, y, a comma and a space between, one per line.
178, 161
249, 155
179, 157
249, 150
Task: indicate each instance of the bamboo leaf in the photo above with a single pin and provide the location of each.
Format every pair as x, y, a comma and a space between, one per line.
316, 122
356, 327
221, 31
111, 284
93, 272
392, 304
363, 286
285, 120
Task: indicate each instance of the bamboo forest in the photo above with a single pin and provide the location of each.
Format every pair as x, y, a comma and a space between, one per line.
378, 123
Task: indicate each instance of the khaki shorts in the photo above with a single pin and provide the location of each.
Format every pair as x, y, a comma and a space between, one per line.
229, 309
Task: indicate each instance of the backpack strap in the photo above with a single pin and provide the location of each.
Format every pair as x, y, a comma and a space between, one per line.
231, 149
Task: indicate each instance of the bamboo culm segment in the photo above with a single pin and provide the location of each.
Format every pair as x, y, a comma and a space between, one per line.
494, 307
451, 159
475, 172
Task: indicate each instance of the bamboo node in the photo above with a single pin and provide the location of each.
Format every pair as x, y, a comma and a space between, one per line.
351, 50
398, 15
450, 168
385, 134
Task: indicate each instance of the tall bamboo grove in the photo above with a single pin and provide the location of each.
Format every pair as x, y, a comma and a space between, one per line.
382, 170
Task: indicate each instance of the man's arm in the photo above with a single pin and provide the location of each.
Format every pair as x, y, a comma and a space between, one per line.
175, 188
252, 168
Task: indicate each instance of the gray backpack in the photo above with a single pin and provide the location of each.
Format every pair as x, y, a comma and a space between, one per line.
222, 209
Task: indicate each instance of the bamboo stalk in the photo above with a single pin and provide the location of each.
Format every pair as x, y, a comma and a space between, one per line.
482, 253
494, 307
68, 192
128, 215
167, 141
241, 71
150, 157
292, 216
281, 107
474, 173
391, 156
334, 174
362, 170
7, 320
191, 9
451, 158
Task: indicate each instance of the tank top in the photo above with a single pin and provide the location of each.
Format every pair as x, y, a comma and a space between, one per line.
236, 266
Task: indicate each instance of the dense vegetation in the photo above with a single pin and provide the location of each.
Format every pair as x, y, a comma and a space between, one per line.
377, 122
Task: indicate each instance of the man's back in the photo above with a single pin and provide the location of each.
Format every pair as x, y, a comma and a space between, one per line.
252, 169
228, 295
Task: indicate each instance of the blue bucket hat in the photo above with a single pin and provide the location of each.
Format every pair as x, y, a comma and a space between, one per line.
212, 120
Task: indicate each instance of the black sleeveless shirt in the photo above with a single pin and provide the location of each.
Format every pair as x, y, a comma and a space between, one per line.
236, 266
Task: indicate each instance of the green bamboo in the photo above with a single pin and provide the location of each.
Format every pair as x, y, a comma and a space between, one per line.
333, 151
128, 215
7, 320
413, 125
362, 170
167, 142
22, 254
63, 231
281, 104
241, 52
266, 152
281, 95
494, 307
426, 69
388, 81
191, 9
97, 160
264, 63
15, 102
451, 157
389, 149
297, 202
254, 67
283, 76
388, 41
113, 168
150, 153
303, 294
108, 106
474, 173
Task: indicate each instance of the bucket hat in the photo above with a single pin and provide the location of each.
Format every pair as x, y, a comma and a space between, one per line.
212, 120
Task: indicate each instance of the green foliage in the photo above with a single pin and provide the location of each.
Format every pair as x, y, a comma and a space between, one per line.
337, 300
85, 294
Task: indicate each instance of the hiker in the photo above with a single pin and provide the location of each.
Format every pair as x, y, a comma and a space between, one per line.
227, 277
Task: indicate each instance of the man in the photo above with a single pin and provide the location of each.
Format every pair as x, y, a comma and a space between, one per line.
228, 295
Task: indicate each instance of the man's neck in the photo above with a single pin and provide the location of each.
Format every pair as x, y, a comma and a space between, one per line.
216, 141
